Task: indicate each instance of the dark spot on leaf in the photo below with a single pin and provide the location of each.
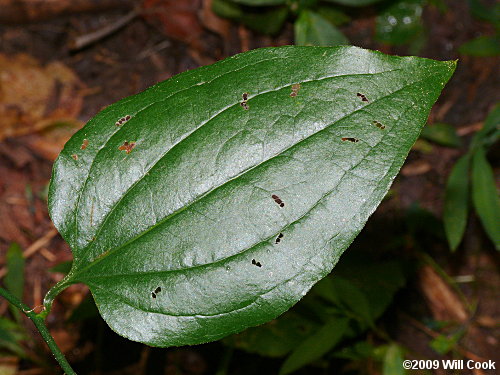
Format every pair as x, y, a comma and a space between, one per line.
127, 147
256, 263
363, 98
278, 200
123, 120
153, 294
354, 140
244, 103
295, 90
278, 239
158, 290
74, 156
379, 125
84, 144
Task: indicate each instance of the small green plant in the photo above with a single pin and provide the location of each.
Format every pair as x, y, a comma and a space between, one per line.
474, 169
484, 45
213, 201
316, 22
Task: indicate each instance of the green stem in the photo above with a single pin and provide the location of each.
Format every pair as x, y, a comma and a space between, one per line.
38, 320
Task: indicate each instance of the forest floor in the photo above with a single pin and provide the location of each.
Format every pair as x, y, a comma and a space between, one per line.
59, 88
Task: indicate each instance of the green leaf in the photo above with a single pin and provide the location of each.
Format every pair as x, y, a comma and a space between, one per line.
14, 279
485, 196
190, 208
490, 132
311, 29
315, 346
265, 20
11, 335
63, 267
490, 14
345, 294
444, 344
456, 202
333, 15
400, 23
354, 3
393, 361
482, 46
442, 134
276, 338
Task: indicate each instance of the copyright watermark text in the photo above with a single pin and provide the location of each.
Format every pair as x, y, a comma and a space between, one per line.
448, 364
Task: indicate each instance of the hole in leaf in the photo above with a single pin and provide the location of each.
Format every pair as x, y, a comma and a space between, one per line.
153, 294
363, 98
295, 90
127, 147
84, 144
278, 200
255, 263
123, 120
278, 239
244, 103
354, 140
158, 290
379, 125
74, 156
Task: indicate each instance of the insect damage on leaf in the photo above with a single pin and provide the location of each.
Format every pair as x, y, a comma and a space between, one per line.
84, 144
123, 120
127, 147
202, 159
295, 90
350, 139
156, 291
363, 98
255, 263
244, 103
379, 125
278, 200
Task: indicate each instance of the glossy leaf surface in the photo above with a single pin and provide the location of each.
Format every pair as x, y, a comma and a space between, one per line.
173, 200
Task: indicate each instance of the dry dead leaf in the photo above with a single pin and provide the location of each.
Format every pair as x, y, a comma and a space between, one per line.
33, 97
442, 300
177, 19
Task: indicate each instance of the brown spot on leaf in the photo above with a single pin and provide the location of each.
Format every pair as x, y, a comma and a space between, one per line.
295, 90
363, 98
84, 144
74, 156
353, 140
123, 120
244, 103
379, 125
127, 147
278, 200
